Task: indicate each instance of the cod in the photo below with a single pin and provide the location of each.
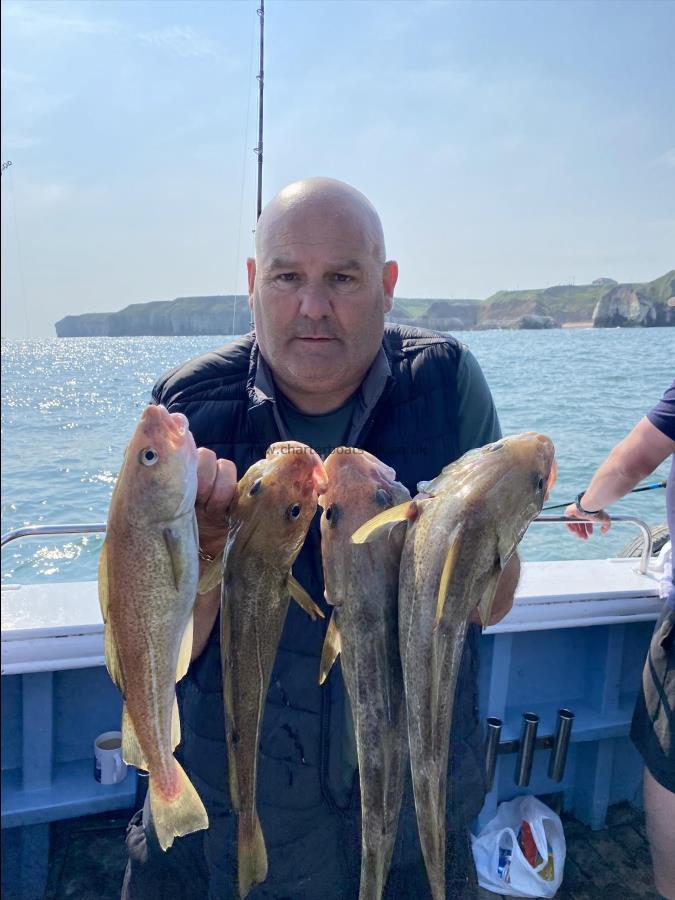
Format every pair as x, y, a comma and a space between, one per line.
362, 584
148, 574
268, 520
457, 543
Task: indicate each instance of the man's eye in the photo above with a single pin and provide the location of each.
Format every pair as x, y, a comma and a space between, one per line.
287, 277
340, 278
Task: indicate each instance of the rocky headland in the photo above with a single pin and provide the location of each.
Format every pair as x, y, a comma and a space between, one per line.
602, 304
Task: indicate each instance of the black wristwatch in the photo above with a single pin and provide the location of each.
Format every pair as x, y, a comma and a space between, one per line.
584, 512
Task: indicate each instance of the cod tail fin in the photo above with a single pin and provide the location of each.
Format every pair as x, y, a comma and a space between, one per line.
251, 852
177, 812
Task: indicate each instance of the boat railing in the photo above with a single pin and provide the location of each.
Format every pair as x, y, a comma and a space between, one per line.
643, 565
42, 530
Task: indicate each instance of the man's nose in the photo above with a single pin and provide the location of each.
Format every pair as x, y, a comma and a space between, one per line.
314, 300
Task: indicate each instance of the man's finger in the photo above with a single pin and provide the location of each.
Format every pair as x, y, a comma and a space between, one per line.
207, 469
579, 530
223, 487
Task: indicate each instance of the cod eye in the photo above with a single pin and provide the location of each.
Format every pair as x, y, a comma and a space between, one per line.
333, 515
148, 456
538, 481
293, 511
255, 487
383, 498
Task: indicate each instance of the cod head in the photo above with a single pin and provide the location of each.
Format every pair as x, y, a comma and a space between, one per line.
276, 500
504, 484
158, 478
359, 487
478, 509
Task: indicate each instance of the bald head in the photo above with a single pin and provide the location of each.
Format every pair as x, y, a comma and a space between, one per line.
319, 289
322, 200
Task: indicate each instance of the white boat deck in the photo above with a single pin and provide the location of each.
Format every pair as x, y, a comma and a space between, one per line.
51, 627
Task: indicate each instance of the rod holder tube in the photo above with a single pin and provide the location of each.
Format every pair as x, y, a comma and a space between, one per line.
561, 743
528, 736
494, 731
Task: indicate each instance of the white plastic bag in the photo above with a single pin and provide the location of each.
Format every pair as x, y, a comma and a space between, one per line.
512, 874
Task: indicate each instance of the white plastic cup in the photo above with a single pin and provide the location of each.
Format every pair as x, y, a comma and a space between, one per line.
109, 767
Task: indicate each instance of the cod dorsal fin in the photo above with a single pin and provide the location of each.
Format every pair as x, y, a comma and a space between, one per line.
386, 521
175, 725
103, 591
447, 573
212, 575
302, 598
112, 660
185, 651
332, 646
131, 749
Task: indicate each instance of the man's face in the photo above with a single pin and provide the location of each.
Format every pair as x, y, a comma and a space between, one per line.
319, 291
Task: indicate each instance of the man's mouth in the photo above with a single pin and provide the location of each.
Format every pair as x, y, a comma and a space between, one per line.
316, 338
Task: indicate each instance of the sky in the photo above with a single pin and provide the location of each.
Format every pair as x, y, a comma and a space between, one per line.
505, 144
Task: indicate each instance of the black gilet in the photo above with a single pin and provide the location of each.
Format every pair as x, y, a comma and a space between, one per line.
413, 428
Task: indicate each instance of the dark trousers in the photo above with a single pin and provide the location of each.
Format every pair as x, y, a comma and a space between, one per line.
319, 860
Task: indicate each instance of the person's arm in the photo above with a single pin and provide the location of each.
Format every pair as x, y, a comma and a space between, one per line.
216, 483
633, 458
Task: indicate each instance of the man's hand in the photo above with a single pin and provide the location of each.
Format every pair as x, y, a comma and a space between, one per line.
506, 588
216, 483
583, 530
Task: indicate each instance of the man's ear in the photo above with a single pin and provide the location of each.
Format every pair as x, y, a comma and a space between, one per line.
389, 279
250, 270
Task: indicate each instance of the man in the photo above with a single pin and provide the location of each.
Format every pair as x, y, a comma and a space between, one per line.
320, 368
653, 728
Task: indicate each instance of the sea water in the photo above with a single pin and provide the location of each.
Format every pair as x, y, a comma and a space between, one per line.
69, 406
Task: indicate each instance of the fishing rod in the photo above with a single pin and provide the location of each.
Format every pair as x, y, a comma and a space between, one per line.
637, 490
261, 85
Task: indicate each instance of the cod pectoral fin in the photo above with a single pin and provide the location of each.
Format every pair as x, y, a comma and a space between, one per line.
212, 575
486, 601
332, 646
175, 544
302, 598
448, 571
386, 521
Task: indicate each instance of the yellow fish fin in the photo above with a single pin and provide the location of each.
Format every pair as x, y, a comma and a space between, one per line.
103, 593
176, 545
180, 814
230, 726
185, 651
486, 601
175, 725
384, 522
332, 646
302, 598
212, 575
251, 852
131, 749
446, 574
112, 659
